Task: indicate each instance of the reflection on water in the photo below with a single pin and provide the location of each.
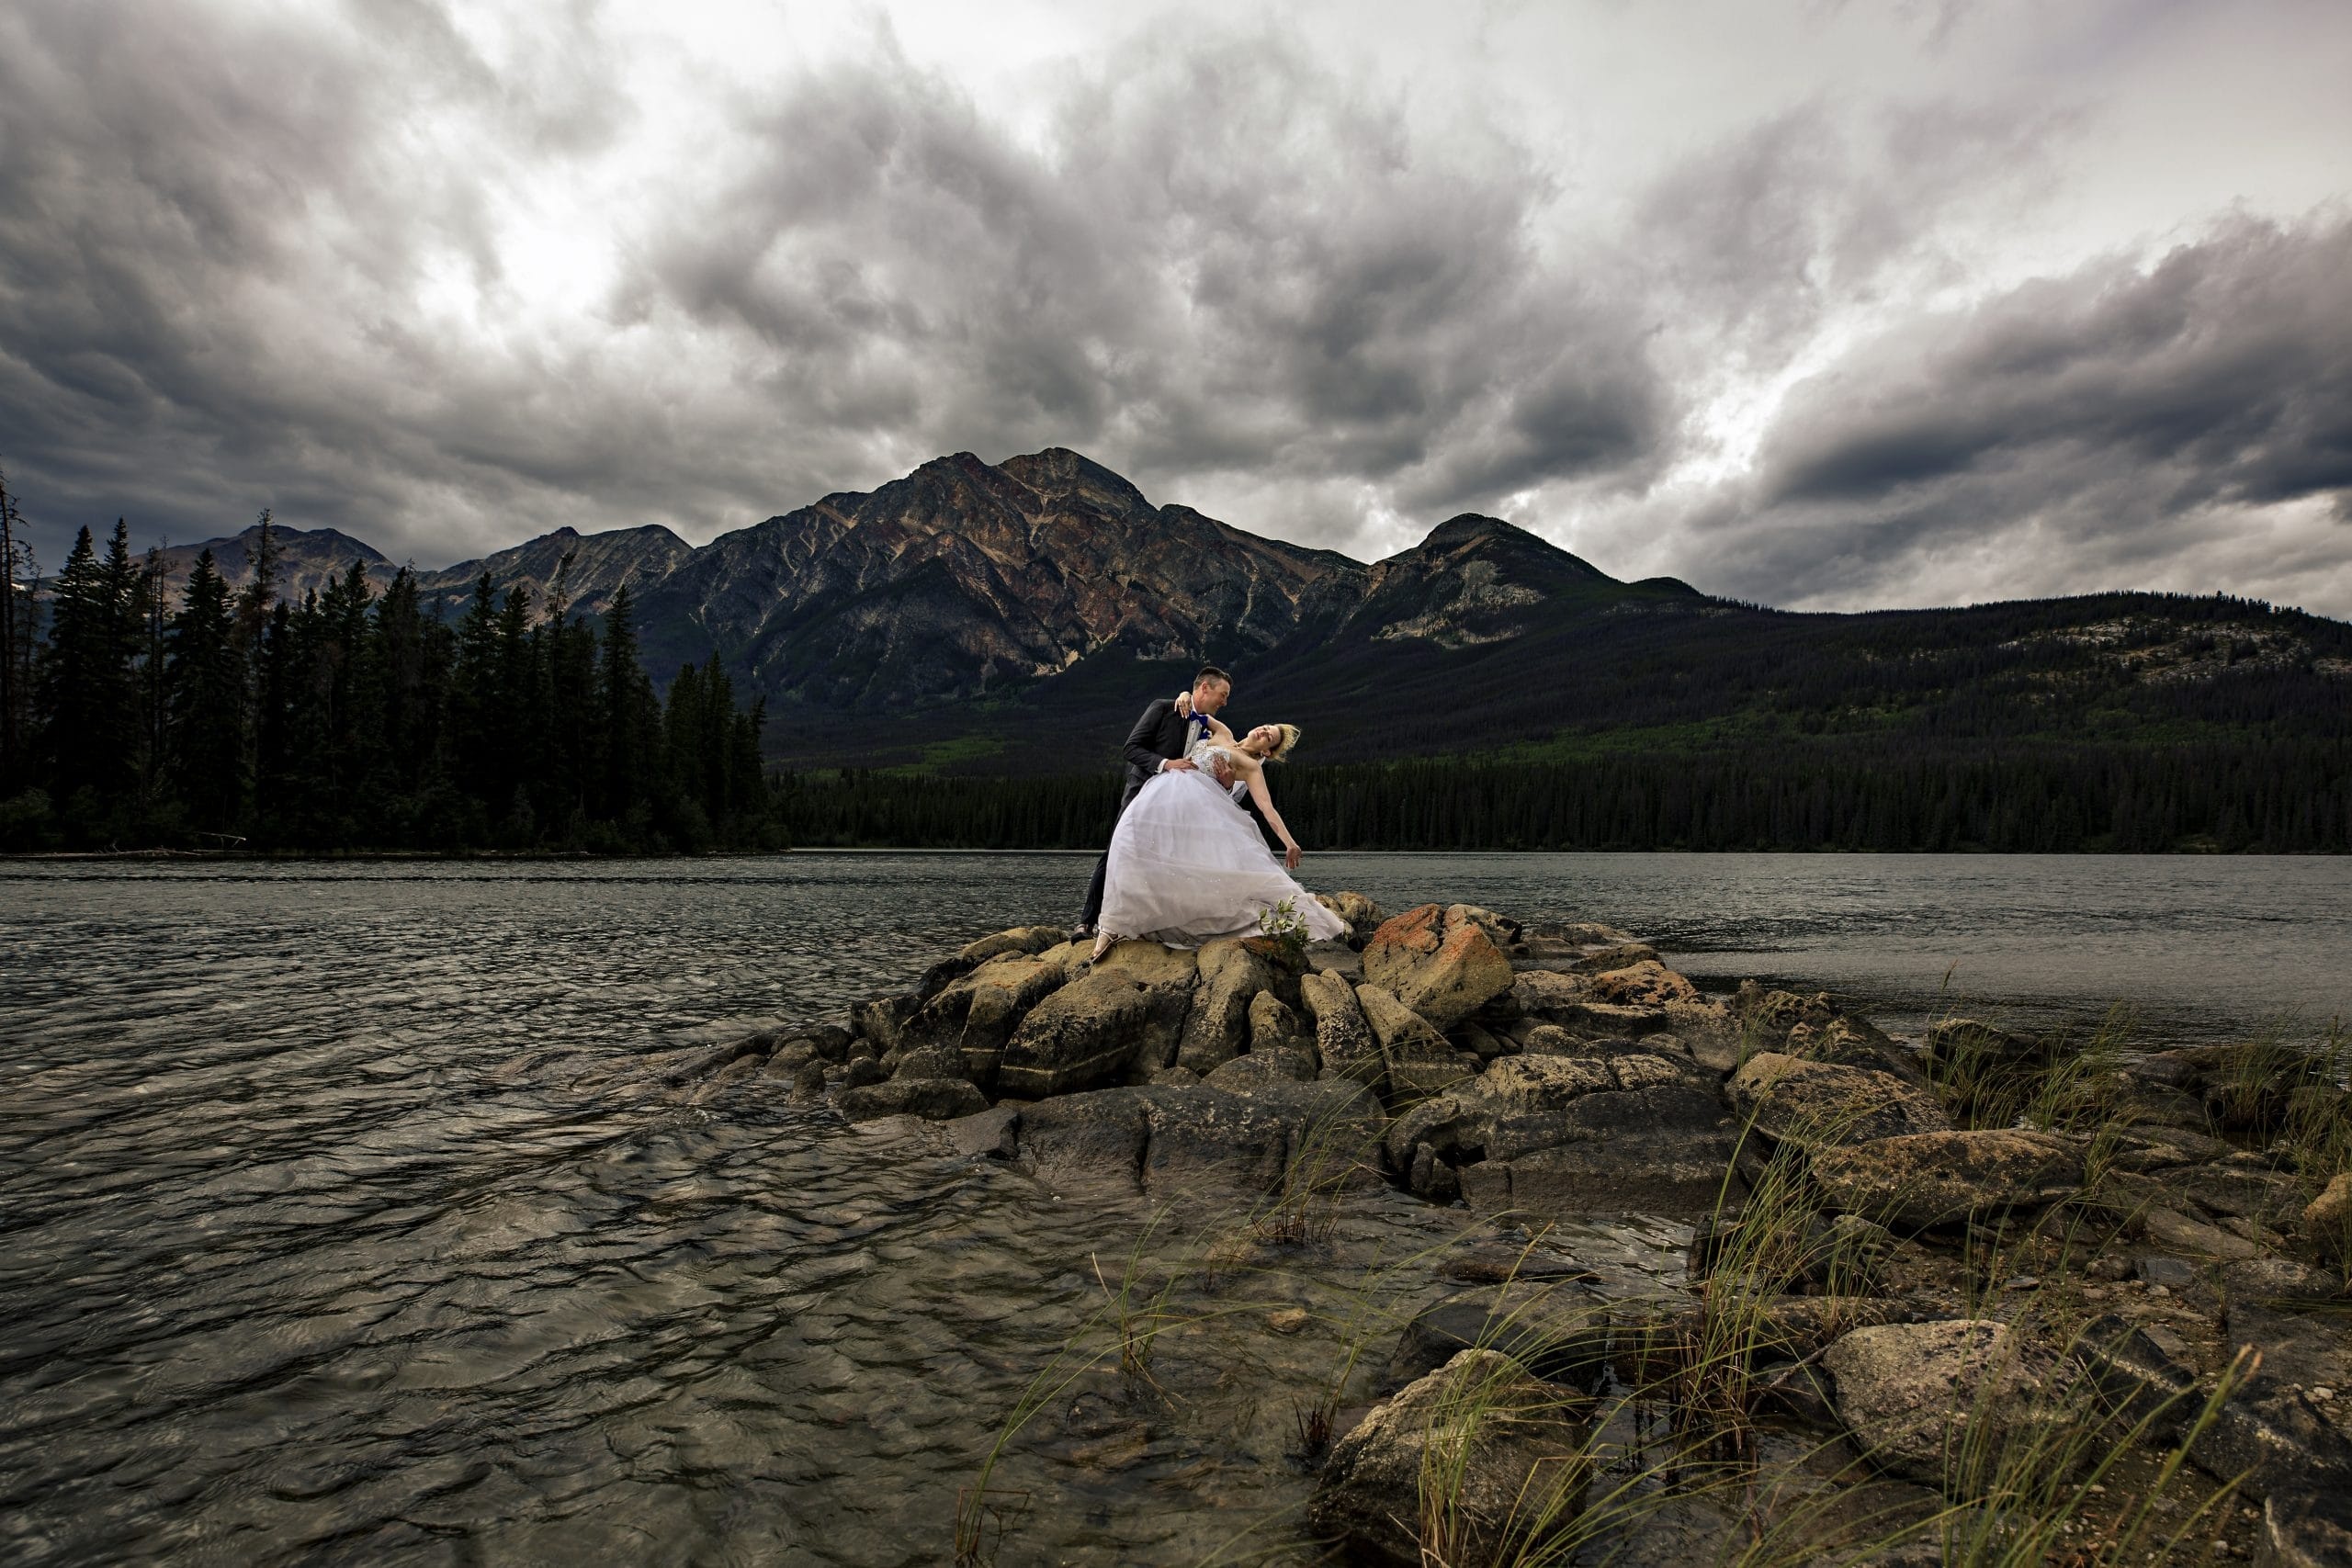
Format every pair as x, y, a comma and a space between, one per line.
295, 1272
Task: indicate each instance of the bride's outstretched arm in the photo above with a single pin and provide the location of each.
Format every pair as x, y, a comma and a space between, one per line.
1254, 773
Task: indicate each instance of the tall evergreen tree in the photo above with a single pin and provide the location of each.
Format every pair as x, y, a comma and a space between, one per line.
207, 678
87, 697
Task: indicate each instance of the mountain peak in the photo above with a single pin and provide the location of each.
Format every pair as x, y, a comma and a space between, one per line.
1057, 472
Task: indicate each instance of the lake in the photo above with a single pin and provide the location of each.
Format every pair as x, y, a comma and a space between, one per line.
304, 1264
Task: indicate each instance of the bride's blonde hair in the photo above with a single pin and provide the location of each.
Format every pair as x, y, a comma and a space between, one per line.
1289, 733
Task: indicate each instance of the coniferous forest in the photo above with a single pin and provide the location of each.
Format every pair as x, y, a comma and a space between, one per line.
215, 718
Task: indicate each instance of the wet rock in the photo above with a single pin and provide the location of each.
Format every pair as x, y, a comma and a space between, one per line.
1275, 1026
1922, 1180
1343, 1040
1501, 929
993, 1133
1418, 1061
1789, 1100
1558, 1330
1289, 1320
1910, 1392
1842, 1254
1087, 1141
2142, 1149
1511, 1447
807, 1084
1089, 1033
1259, 1068
1174, 1078
2143, 1373
2237, 1191
933, 1100
1527, 1102
861, 1072
1439, 961
880, 1019
978, 1013
1363, 916
1030, 939
1217, 1028
789, 1057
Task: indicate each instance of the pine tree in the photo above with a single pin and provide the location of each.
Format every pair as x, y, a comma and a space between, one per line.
629, 720
206, 679
88, 701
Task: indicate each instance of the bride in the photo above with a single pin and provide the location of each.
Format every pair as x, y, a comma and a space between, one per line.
1186, 863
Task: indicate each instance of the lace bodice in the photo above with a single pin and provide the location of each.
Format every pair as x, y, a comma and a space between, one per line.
1205, 751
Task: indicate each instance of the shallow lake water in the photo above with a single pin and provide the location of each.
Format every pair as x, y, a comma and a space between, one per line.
302, 1263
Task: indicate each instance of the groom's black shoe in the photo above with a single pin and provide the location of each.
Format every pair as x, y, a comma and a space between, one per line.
1081, 933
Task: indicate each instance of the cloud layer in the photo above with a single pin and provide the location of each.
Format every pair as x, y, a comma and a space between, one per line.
448, 277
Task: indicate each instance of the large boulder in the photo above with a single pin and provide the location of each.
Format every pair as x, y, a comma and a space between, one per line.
1419, 1060
1439, 961
1091, 1031
1917, 1397
1343, 1040
1217, 1028
1789, 1100
880, 1019
1477, 1462
977, 1014
1938, 1179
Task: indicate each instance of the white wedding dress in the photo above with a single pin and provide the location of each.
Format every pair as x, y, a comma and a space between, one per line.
1187, 866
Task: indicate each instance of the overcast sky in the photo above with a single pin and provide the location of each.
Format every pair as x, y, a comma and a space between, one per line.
1823, 305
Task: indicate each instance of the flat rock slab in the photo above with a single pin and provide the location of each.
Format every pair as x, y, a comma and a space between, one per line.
1557, 1329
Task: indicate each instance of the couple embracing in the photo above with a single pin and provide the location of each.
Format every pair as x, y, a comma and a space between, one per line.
1187, 863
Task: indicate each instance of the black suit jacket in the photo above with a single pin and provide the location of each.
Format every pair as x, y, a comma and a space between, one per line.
1160, 735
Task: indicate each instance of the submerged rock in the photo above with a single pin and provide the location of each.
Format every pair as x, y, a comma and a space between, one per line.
1477, 1461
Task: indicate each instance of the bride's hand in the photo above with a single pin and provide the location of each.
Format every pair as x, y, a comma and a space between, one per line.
1183, 704
1290, 857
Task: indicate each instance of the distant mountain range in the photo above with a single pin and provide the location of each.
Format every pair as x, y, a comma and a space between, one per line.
1013, 615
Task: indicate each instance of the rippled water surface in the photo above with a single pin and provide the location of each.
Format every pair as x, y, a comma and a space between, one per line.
304, 1260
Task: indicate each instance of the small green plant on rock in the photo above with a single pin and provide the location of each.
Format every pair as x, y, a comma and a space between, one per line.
1285, 927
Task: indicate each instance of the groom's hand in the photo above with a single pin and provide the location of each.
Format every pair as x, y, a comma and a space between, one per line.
1179, 765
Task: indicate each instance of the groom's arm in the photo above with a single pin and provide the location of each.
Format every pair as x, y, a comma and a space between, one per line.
1142, 740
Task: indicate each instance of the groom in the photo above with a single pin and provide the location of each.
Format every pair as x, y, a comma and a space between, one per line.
1157, 745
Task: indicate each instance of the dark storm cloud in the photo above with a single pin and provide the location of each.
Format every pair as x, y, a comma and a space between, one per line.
2100, 425
1223, 258
1218, 258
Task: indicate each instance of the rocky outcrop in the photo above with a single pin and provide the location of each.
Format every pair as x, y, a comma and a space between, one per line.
1510, 1448
1438, 961
978, 1013
1166, 1141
